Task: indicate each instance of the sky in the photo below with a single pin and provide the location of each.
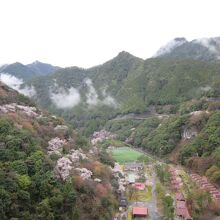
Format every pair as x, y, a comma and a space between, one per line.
89, 32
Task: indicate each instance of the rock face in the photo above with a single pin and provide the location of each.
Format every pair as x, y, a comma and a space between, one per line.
13, 107
199, 112
100, 136
189, 133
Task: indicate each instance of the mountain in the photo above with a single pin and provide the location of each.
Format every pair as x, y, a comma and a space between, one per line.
42, 68
27, 72
124, 84
19, 70
167, 106
78, 93
206, 49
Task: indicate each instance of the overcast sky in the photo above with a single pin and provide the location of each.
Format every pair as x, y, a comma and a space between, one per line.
89, 32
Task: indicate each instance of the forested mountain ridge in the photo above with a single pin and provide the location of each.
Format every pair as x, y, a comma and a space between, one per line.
206, 49
42, 68
178, 96
26, 72
48, 170
125, 84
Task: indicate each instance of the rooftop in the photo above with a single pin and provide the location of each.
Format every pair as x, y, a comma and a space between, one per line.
139, 211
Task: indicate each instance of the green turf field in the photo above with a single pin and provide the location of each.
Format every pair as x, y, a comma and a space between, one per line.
125, 154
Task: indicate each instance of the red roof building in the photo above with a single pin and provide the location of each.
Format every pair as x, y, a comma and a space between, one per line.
139, 186
139, 211
179, 197
183, 213
216, 196
181, 204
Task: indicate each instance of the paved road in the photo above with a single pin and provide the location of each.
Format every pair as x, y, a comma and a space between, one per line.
152, 204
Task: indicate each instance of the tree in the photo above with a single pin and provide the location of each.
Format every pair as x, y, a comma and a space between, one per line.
24, 181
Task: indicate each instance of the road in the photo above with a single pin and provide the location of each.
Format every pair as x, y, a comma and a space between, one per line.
152, 204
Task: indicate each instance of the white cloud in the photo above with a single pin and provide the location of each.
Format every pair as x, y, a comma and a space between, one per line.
208, 43
65, 98
110, 101
16, 83
28, 91
92, 96
170, 46
139, 27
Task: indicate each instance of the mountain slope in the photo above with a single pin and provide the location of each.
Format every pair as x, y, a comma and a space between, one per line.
27, 72
19, 70
48, 171
125, 84
206, 49
42, 68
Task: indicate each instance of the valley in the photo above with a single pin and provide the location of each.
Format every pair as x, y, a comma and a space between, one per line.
163, 190
127, 139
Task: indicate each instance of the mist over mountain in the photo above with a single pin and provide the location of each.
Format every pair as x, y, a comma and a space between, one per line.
167, 106
206, 49
27, 72
15, 75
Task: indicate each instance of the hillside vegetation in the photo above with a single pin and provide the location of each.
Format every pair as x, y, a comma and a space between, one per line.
46, 170
125, 84
167, 105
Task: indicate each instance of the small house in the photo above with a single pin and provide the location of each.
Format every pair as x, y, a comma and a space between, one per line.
180, 197
139, 186
183, 214
139, 212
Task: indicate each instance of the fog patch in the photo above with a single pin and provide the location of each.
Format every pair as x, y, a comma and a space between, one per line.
206, 88
17, 84
109, 100
170, 46
210, 44
65, 98
28, 91
92, 96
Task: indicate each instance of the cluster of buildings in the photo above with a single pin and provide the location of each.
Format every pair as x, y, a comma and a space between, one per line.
203, 183
133, 171
133, 167
181, 209
128, 176
176, 181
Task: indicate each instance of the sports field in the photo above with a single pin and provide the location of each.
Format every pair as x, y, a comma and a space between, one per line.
125, 154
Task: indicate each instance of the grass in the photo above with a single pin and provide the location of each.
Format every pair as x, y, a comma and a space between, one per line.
142, 196
125, 154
